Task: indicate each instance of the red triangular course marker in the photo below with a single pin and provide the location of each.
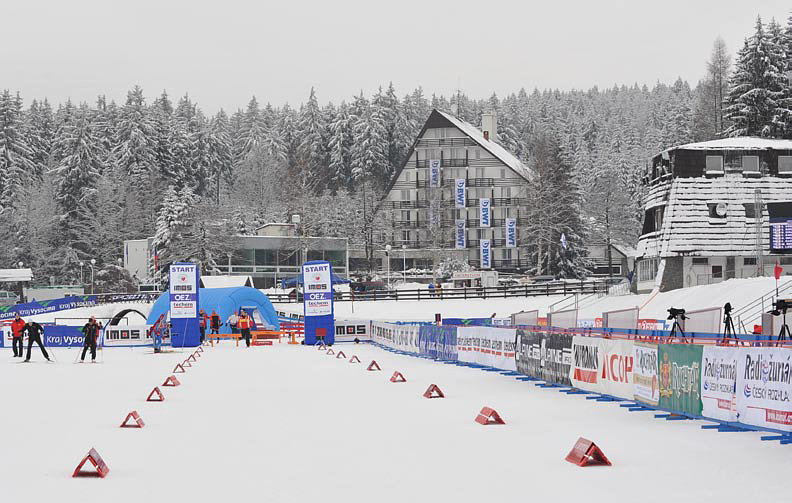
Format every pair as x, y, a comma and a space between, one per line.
433, 391
171, 381
138, 422
156, 391
200, 349
322, 347
96, 460
197, 354
340, 355
330, 351
489, 416
586, 453
373, 365
178, 369
397, 377
186, 363
192, 357
354, 359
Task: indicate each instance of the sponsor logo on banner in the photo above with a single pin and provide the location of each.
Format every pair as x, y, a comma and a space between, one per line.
486, 254
511, 233
679, 367
646, 386
459, 194
484, 212
318, 286
434, 172
544, 356
719, 383
183, 290
603, 365
438, 342
349, 330
402, 337
46, 306
493, 347
763, 385
461, 239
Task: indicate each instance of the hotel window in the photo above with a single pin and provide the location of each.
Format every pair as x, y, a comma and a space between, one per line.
503, 174
507, 253
714, 165
405, 235
749, 260
405, 215
479, 172
506, 192
750, 164
478, 153
785, 164
405, 195
406, 176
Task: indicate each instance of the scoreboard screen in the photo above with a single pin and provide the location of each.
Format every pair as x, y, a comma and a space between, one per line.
781, 234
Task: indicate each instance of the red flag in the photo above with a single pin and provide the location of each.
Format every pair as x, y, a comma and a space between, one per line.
778, 270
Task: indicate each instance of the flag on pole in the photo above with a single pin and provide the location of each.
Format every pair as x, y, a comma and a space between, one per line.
563, 241
778, 271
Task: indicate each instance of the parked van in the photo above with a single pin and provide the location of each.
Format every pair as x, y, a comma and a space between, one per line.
8, 298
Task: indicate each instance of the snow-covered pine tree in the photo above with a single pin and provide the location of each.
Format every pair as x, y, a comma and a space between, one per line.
17, 160
134, 143
312, 131
340, 146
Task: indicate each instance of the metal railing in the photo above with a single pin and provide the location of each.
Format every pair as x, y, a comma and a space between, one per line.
751, 313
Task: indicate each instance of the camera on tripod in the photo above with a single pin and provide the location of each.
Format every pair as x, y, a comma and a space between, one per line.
675, 313
781, 306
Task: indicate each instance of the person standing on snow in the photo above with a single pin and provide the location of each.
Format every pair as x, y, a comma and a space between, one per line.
214, 322
91, 334
202, 319
35, 333
233, 321
16, 332
243, 324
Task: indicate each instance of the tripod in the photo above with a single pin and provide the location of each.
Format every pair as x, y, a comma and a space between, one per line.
676, 328
784, 332
728, 329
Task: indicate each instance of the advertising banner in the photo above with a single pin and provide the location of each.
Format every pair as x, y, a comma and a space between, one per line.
46, 306
544, 356
718, 382
484, 212
763, 387
460, 238
434, 172
603, 366
130, 335
438, 342
680, 377
646, 386
349, 330
486, 254
402, 337
459, 193
318, 299
183, 291
489, 346
511, 233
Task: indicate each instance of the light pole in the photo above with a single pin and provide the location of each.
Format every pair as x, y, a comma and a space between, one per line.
93, 263
404, 263
387, 260
82, 283
21, 288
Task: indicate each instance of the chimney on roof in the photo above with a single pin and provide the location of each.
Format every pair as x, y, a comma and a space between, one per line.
489, 126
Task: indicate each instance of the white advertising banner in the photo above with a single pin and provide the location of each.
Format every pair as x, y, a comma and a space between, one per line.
129, 335
459, 193
486, 253
603, 366
402, 337
645, 384
318, 293
489, 346
484, 212
183, 291
718, 382
763, 387
349, 330
511, 233
434, 172
460, 240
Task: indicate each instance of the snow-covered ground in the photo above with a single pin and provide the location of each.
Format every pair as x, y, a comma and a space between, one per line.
290, 423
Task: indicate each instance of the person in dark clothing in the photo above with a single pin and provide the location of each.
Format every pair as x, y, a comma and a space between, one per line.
202, 319
16, 333
244, 326
90, 334
35, 333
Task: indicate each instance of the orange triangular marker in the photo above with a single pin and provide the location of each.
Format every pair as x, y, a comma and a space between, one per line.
156, 391
186, 363
171, 381
178, 369
197, 354
373, 365
586, 453
330, 351
322, 347
340, 355
397, 377
489, 416
134, 416
96, 460
200, 349
192, 357
354, 359
433, 391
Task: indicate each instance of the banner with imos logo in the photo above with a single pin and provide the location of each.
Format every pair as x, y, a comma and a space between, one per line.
679, 370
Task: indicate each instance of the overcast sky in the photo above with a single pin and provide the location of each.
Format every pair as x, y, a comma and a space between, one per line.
222, 52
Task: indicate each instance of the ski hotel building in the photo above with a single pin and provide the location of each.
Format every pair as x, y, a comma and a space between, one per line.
716, 210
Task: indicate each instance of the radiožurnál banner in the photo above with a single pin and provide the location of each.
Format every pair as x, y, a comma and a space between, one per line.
484, 212
438, 342
459, 193
544, 356
318, 293
459, 234
511, 233
434, 172
646, 386
763, 387
493, 347
679, 366
486, 253
183, 291
718, 382
603, 366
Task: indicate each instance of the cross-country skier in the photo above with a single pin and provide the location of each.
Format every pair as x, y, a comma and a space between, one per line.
202, 319
16, 333
91, 334
35, 333
243, 324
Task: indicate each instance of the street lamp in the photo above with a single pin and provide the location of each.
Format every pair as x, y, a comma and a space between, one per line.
93, 263
82, 283
387, 259
21, 288
404, 263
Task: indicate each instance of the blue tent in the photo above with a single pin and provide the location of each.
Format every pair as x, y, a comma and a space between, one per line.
226, 301
298, 280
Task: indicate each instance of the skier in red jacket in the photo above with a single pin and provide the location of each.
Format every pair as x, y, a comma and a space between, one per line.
16, 332
202, 319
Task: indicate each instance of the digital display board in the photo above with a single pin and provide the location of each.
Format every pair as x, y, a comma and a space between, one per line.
781, 234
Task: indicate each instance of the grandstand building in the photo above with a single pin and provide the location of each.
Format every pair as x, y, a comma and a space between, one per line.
716, 210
